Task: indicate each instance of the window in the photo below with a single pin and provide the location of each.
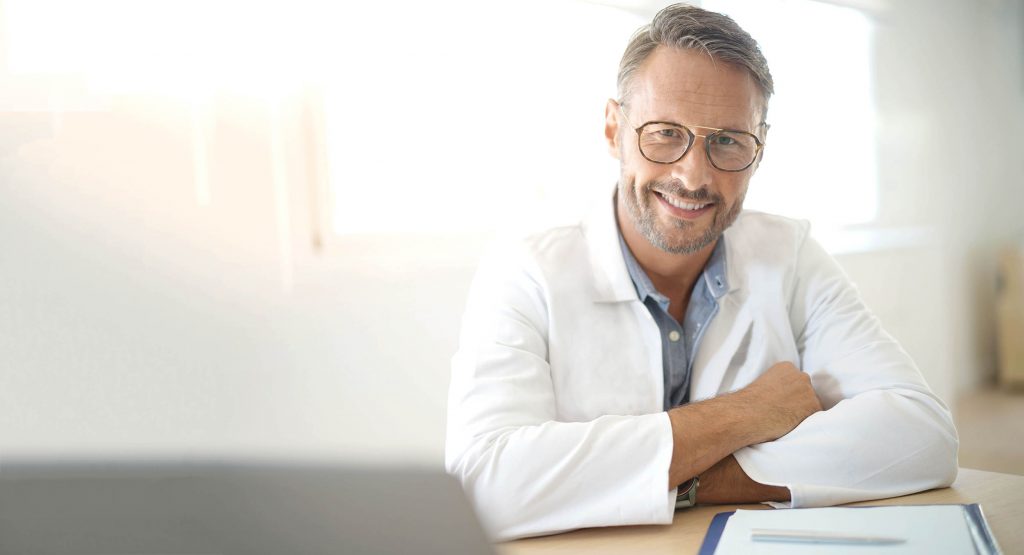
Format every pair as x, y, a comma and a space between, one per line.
467, 124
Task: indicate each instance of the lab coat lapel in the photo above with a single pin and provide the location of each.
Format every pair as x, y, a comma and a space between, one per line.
611, 281
724, 350
730, 337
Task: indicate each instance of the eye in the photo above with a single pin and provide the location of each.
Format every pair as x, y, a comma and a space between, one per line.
664, 134
724, 140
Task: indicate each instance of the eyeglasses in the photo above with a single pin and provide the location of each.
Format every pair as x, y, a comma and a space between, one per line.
664, 142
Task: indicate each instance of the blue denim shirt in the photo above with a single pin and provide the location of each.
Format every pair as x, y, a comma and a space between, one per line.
679, 343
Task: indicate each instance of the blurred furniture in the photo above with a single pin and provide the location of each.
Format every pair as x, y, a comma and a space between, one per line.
127, 507
1000, 495
1010, 318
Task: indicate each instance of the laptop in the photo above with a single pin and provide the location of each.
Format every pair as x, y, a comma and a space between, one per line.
224, 508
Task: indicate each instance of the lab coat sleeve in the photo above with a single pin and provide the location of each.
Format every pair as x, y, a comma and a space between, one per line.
525, 472
883, 432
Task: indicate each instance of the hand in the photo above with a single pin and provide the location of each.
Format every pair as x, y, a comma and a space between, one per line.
784, 397
705, 432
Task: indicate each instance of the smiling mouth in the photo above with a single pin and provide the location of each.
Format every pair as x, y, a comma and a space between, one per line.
683, 204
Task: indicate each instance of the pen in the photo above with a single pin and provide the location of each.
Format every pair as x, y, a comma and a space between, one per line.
815, 536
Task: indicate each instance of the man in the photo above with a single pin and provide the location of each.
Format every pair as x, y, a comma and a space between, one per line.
673, 349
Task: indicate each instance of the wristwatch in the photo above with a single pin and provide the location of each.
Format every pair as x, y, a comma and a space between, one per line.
686, 495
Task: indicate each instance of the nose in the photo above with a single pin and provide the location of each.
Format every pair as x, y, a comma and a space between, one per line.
694, 170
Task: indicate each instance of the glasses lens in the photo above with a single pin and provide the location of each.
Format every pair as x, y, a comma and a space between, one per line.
732, 150
660, 142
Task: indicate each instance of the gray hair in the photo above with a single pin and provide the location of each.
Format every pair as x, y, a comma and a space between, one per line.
689, 27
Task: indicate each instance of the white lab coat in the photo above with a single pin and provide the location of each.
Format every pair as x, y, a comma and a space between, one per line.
555, 417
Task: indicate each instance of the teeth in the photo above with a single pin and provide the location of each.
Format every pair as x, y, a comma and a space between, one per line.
680, 204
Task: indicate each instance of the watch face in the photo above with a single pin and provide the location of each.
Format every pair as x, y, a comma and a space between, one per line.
686, 495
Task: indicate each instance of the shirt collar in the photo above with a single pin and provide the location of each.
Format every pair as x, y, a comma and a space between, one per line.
714, 274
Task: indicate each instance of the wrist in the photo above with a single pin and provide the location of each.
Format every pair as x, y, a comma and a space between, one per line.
727, 482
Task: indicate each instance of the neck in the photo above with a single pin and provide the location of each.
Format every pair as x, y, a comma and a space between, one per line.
673, 275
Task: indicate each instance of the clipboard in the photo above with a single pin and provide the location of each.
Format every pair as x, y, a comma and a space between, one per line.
714, 533
984, 540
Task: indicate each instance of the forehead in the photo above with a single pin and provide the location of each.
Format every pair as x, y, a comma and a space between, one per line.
688, 86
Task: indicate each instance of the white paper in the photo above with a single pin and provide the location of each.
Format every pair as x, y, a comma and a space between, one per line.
927, 529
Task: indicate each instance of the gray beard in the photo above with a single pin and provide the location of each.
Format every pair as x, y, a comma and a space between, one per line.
644, 217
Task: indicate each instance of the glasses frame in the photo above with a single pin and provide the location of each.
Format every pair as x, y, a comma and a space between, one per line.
693, 139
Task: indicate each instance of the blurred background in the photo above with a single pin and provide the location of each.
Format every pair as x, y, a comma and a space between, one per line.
247, 228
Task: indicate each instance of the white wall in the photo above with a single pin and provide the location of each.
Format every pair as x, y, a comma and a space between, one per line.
951, 101
135, 321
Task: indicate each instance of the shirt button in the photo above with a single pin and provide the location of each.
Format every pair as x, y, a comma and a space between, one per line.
673, 335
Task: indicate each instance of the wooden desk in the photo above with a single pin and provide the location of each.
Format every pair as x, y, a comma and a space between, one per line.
1001, 497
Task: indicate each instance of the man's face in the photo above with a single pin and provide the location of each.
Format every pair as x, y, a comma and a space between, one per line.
682, 207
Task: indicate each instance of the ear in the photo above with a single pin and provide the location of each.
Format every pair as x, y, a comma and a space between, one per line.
611, 127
